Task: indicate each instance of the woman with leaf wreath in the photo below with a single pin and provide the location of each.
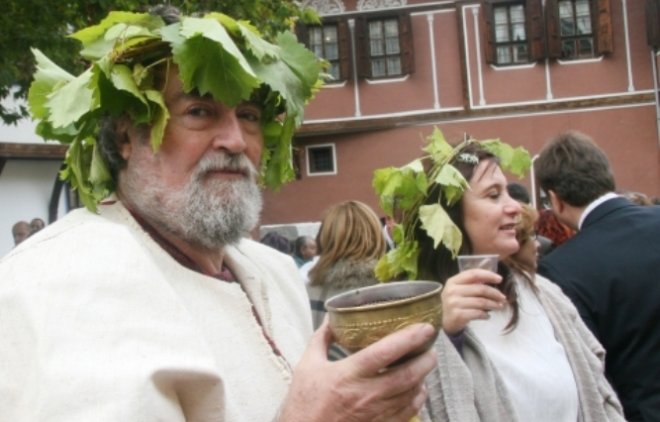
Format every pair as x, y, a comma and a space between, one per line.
514, 347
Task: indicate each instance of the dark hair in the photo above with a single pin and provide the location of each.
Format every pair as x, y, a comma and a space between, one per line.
300, 243
518, 192
572, 166
277, 241
438, 264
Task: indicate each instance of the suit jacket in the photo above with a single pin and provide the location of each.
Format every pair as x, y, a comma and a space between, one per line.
611, 271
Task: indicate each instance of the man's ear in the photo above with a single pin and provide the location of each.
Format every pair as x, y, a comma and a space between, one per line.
556, 202
123, 139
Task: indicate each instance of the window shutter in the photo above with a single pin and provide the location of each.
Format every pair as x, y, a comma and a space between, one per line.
489, 33
653, 23
553, 36
535, 29
362, 43
603, 20
302, 33
406, 42
343, 38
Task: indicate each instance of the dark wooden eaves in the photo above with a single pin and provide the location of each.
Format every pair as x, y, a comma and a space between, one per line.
308, 130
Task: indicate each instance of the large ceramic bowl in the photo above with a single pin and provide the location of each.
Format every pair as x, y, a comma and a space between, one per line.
362, 316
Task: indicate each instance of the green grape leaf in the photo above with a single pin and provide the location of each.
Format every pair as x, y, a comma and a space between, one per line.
121, 77
61, 134
300, 60
47, 77
440, 227
397, 234
99, 40
281, 79
278, 168
402, 259
261, 48
162, 116
73, 100
401, 185
515, 160
75, 172
99, 175
453, 183
200, 49
438, 147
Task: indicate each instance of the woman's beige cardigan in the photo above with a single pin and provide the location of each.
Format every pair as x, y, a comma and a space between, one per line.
466, 387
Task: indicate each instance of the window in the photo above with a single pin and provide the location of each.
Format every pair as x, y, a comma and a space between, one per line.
510, 35
653, 23
577, 39
321, 159
385, 46
323, 42
578, 29
514, 31
329, 41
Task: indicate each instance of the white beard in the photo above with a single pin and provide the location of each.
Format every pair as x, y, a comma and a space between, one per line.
208, 213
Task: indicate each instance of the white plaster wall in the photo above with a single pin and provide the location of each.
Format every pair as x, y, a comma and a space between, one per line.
25, 189
25, 185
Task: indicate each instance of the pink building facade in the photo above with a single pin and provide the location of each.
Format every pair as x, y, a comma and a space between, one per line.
521, 71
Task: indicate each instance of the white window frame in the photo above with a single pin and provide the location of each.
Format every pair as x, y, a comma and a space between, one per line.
334, 159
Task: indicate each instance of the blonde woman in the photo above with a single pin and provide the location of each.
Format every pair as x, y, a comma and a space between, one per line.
350, 242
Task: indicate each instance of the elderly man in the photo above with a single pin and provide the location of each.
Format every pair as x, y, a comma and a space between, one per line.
155, 306
304, 250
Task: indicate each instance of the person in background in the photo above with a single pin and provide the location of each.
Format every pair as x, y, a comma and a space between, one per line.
519, 192
549, 226
638, 198
36, 224
526, 259
304, 250
277, 242
609, 268
20, 231
350, 243
512, 346
388, 224
152, 304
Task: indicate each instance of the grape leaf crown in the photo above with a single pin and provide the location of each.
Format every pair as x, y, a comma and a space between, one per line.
216, 55
403, 190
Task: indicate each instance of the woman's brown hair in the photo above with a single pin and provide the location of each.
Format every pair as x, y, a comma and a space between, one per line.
351, 231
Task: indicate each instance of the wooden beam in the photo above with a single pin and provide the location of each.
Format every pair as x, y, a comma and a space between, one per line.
16, 150
309, 130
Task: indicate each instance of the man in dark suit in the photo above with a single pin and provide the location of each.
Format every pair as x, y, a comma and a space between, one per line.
610, 269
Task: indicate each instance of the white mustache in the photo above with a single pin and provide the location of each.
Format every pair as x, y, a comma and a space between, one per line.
225, 162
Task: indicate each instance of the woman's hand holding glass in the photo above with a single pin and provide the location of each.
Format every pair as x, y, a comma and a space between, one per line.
471, 294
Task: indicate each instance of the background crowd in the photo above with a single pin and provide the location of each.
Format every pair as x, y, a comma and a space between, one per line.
21, 230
